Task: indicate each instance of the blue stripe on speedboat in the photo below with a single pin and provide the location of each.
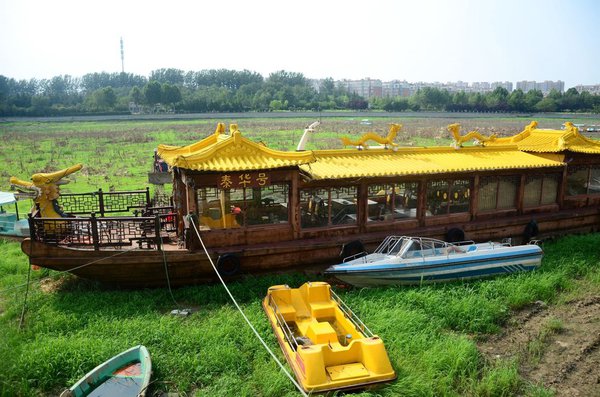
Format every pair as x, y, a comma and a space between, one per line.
401, 277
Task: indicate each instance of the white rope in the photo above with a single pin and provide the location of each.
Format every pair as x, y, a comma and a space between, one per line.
246, 318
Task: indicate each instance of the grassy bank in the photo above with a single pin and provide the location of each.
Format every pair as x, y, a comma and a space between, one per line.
430, 332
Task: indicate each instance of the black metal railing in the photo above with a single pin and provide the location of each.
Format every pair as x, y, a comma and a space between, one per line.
144, 232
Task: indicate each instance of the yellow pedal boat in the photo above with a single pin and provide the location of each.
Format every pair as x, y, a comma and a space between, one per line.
325, 343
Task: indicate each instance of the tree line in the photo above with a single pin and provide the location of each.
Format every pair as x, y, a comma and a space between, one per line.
174, 90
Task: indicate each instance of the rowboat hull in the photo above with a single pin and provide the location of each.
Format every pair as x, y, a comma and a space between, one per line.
126, 374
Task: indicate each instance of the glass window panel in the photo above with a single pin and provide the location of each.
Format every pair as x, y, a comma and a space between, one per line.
215, 207
533, 188
267, 205
577, 179
508, 186
405, 200
389, 202
488, 189
380, 202
343, 205
460, 196
437, 197
313, 208
594, 185
549, 189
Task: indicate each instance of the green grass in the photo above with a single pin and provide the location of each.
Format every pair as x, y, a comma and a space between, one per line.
429, 331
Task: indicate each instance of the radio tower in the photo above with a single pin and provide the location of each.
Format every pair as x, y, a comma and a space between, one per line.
122, 57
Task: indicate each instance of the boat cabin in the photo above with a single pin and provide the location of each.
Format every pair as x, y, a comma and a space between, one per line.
246, 193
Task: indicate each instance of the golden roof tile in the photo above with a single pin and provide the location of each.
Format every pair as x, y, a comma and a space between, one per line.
533, 139
339, 164
230, 152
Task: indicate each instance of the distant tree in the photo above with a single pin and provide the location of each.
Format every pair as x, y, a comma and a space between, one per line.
103, 99
547, 104
136, 95
327, 86
287, 78
152, 92
477, 102
170, 76
397, 104
571, 100
497, 100
532, 97
516, 101
357, 103
170, 94
459, 102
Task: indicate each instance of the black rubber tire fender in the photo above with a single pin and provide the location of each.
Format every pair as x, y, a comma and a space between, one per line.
455, 235
352, 248
228, 264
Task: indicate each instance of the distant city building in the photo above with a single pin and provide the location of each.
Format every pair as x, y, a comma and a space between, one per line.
366, 88
396, 88
592, 89
372, 88
507, 85
545, 86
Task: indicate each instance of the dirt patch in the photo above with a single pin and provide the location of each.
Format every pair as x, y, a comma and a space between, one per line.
556, 346
49, 285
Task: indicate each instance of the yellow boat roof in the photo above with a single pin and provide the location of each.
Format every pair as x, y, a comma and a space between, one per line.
533, 139
221, 152
337, 164
230, 152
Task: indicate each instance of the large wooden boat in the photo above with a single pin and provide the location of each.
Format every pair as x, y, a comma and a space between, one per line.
264, 210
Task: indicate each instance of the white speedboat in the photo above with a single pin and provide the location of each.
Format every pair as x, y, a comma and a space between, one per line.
416, 260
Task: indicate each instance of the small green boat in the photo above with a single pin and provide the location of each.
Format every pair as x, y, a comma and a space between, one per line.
126, 375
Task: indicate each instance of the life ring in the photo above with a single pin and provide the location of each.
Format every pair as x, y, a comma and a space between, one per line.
455, 235
353, 248
228, 264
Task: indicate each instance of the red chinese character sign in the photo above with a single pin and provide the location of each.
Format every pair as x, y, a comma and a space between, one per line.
243, 180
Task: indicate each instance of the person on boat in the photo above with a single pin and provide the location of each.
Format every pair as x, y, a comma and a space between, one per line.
451, 249
190, 218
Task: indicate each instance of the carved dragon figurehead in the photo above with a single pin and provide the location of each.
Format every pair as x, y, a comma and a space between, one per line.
454, 129
45, 189
388, 140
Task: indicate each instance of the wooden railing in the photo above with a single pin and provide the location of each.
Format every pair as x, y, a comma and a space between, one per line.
144, 232
102, 203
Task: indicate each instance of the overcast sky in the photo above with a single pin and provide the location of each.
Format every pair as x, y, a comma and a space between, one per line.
413, 40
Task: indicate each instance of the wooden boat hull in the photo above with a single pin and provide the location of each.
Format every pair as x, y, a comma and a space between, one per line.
126, 374
312, 253
337, 352
154, 269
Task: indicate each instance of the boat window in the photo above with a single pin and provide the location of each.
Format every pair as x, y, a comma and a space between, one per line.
448, 196
583, 180
540, 190
395, 201
498, 192
328, 206
412, 250
233, 208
